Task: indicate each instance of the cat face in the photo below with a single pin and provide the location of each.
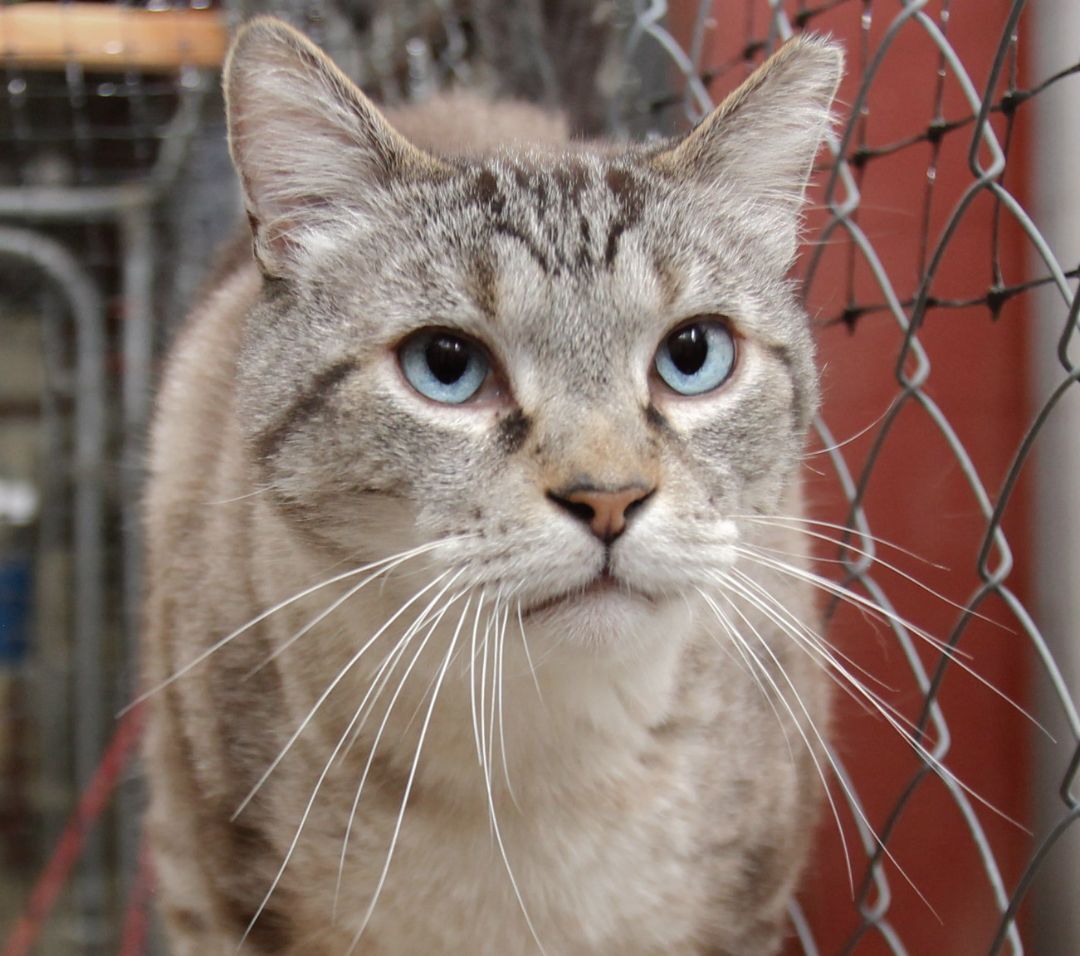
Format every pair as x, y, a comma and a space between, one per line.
585, 364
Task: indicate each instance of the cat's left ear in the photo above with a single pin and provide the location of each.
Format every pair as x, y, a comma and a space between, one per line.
760, 143
311, 150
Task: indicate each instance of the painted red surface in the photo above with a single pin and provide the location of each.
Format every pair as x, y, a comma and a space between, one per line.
918, 495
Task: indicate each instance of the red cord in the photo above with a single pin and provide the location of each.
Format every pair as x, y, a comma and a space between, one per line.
91, 804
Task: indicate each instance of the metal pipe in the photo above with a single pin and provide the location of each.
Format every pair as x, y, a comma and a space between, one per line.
1056, 528
137, 236
51, 652
87, 310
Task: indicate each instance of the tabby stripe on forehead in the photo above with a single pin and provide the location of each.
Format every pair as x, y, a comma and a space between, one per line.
627, 193
306, 404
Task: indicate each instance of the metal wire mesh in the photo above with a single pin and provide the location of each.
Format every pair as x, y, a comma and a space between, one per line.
106, 172
971, 128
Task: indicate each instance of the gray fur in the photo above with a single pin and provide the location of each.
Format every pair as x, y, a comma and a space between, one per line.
651, 792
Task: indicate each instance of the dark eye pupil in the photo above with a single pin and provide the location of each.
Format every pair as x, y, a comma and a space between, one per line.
688, 349
447, 357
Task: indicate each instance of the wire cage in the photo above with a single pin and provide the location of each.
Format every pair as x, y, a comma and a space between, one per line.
936, 268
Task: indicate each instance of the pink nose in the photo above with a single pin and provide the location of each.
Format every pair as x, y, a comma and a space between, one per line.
605, 511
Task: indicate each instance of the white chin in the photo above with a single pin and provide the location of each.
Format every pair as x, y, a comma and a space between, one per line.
605, 617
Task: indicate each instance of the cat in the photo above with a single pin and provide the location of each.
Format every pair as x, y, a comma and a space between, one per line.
463, 634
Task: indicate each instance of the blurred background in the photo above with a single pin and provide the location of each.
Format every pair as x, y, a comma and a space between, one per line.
940, 270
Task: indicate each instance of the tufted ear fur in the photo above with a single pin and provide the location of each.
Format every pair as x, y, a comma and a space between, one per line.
760, 143
310, 148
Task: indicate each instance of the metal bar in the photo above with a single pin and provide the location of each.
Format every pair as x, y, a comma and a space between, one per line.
88, 313
138, 346
1056, 208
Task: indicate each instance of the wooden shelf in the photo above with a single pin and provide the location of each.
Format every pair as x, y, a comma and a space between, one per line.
105, 36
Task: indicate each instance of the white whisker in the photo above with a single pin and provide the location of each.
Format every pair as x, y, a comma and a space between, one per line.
492, 815
528, 656
896, 721
818, 650
499, 680
326, 768
472, 679
785, 521
408, 787
745, 664
817, 639
847, 441
876, 609
787, 706
386, 564
386, 717
852, 801
330, 688
897, 571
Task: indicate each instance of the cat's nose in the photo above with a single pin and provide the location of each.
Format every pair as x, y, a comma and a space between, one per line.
604, 510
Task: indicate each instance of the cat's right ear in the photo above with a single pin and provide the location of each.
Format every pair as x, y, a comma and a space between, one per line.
758, 146
311, 150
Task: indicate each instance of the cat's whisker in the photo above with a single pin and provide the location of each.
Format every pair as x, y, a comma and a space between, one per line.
847, 546
485, 762
381, 678
852, 801
472, 678
820, 650
437, 619
386, 564
323, 774
310, 625
339, 677
897, 721
799, 522
754, 659
499, 682
408, 787
306, 813
806, 456
483, 692
491, 639
813, 636
826, 655
877, 610
233, 500
364, 708
528, 656
743, 662
869, 607
431, 683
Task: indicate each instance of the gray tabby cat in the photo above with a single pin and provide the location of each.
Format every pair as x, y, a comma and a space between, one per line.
467, 629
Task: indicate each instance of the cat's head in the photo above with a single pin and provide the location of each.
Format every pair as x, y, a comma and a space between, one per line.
588, 362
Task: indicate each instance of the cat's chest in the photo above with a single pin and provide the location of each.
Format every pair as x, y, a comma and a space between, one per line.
619, 869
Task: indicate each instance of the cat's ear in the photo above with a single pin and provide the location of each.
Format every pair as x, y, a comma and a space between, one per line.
760, 143
310, 148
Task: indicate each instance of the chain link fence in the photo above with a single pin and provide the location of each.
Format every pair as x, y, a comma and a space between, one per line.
947, 309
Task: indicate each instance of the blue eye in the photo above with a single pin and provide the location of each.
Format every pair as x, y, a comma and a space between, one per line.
696, 357
443, 367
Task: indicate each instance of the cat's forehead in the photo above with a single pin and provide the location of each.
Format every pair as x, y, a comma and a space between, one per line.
539, 250
568, 212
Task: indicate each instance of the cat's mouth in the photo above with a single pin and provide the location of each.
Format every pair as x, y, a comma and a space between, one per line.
603, 585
